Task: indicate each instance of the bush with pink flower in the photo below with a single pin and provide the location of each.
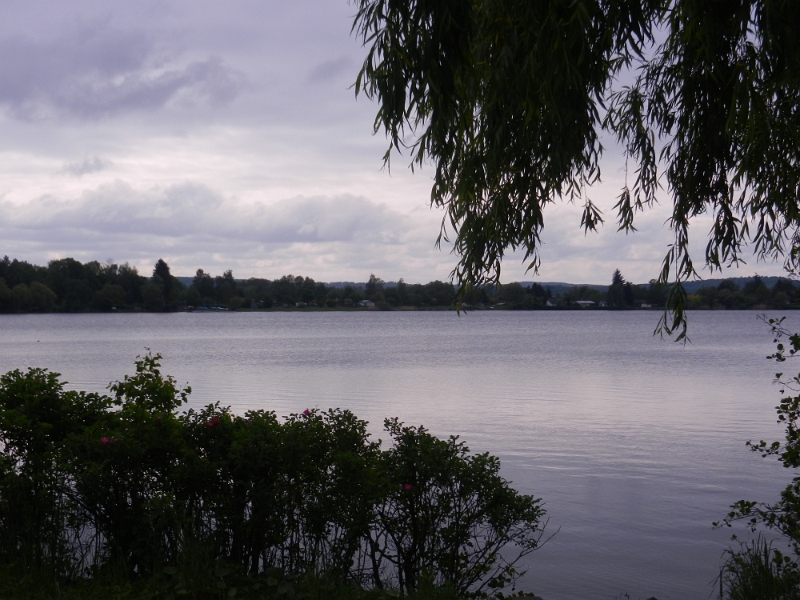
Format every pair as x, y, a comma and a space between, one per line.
132, 484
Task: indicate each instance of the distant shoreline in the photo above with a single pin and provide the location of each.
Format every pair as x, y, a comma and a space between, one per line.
358, 309
69, 286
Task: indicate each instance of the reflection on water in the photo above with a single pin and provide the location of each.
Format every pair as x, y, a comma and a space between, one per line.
635, 444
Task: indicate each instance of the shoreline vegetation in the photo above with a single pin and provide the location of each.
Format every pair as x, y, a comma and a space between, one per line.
69, 286
129, 496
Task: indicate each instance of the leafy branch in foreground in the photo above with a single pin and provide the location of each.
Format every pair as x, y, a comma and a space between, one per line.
508, 100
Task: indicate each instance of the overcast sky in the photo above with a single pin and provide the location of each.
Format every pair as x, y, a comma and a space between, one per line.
225, 135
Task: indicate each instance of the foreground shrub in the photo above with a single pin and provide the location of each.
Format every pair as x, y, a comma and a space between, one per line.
130, 487
41, 530
125, 468
446, 515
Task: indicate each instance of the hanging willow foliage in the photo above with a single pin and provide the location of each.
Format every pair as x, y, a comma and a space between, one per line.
508, 99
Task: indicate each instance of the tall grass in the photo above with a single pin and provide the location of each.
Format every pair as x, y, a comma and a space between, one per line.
757, 571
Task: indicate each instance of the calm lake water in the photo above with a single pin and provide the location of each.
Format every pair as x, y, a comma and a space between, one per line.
635, 444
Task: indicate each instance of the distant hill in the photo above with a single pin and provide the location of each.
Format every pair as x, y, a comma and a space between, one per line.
558, 287
693, 286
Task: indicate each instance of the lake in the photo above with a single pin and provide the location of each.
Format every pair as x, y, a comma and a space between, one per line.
636, 444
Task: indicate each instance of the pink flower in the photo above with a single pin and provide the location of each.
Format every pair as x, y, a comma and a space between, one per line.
306, 412
212, 422
105, 441
408, 487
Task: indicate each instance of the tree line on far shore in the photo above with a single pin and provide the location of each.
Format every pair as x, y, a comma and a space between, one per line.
67, 285
754, 293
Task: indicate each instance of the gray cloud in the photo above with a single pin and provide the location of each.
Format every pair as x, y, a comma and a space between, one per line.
90, 164
192, 226
342, 237
96, 71
331, 69
113, 81
195, 212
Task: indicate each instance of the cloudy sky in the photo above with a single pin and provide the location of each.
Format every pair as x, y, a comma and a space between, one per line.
225, 135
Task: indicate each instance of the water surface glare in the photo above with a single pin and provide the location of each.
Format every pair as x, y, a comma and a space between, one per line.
635, 444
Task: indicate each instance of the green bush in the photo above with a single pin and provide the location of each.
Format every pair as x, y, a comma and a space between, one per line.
41, 530
125, 468
446, 515
128, 486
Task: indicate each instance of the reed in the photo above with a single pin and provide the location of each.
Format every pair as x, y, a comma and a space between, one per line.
757, 571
